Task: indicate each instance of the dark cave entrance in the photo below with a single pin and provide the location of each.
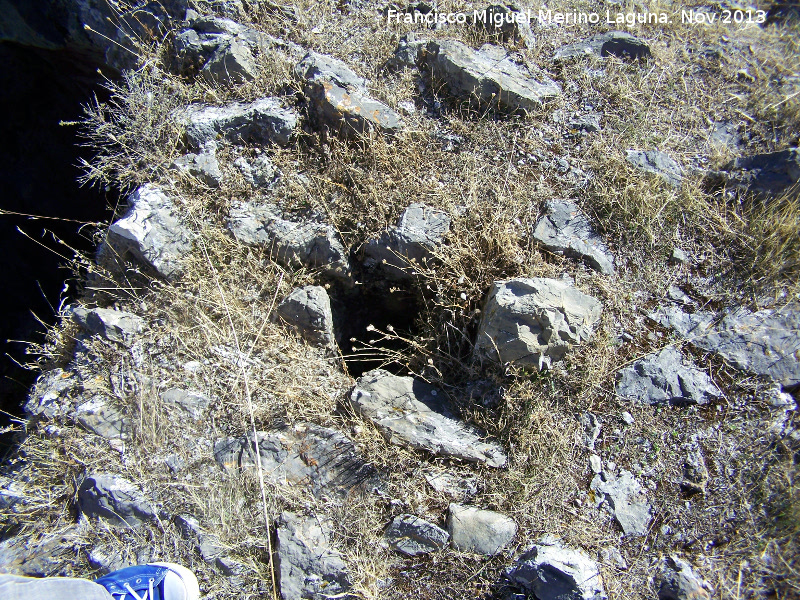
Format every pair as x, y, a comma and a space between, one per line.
390, 309
38, 156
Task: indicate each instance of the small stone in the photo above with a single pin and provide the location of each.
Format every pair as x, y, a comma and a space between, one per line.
626, 500
678, 581
203, 166
695, 471
591, 429
308, 309
152, 231
420, 230
115, 499
658, 163
611, 556
628, 418
679, 257
768, 175
613, 43
260, 173
49, 396
595, 463
533, 322
413, 536
550, 571
114, 325
407, 54
479, 531
262, 122
231, 63
190, 402
102, 418
564, 229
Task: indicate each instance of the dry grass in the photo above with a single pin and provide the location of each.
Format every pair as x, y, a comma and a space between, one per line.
742, 534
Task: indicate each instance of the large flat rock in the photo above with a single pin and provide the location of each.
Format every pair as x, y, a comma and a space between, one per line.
412, 413
115, 499
625, 499
533, 322
319, 458
488, 76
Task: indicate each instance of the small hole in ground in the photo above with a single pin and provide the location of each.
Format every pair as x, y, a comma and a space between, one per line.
391, 310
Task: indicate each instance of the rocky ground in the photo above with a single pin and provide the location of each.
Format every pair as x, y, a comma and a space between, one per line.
401, 310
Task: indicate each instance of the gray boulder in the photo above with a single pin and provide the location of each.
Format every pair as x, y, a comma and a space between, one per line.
114, 325
306, 455
115, 499
203, 166
309, 244
769, 174
658, 163
412, 413
189, 402
152, 232
550, 571
262, 122
260, 173
408, 53
665, 377
419, 231
308, 566
479, 531
625, 499
678, 581
339, 97
413, 536
564, 229
231, 63
488, 76
763, 342
308, 309
612, 43
533, 322
102, 418
50, 395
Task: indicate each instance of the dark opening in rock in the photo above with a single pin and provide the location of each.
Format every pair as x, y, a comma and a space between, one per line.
389, 309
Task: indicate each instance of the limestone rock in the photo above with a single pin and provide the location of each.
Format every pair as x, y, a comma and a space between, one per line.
694, 471
309, 455
208, 544
115, 499
612, 43
550, 571
262, 122
152, 232
412, 413
413, 536
678, 581
460, 488
260, 172
203, 166
626, 500
308, 567
419, 231
231, 63
114, 325
408, 53
665, 377
564, 229
532, 322
479, 531
339, 97
611, 556
591, 429
488, 76
102, 418
50, 395
763, 342
309, 244
190, 402
309, 310
769, 174
658, 163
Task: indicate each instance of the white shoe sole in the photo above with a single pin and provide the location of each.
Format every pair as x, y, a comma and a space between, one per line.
187, 578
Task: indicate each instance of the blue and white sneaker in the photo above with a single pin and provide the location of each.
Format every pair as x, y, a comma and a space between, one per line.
154, 581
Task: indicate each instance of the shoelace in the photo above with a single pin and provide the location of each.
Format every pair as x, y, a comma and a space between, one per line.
137, 596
